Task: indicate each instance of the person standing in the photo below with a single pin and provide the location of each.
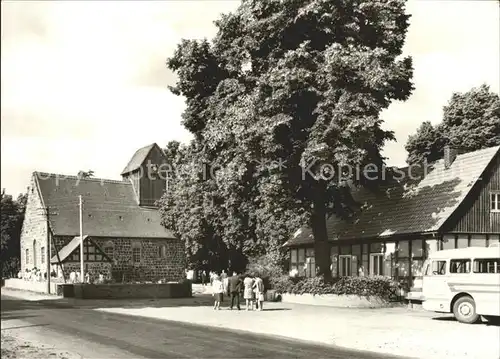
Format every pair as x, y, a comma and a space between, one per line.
234, 288
217, 290
72, 277
203, 277
248, 294
225, 284
258, 286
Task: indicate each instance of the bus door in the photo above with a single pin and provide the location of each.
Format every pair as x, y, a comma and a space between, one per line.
435, 280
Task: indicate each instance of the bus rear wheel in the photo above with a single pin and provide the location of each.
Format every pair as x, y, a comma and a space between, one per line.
464, 310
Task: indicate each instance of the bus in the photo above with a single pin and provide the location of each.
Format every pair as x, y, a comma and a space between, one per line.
465, 282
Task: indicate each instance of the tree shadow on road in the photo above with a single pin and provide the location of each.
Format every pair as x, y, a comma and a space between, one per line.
199, 300
10, 305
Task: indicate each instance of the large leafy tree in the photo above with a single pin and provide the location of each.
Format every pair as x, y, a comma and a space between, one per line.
471, 121
186, 207
286, 96
12, 213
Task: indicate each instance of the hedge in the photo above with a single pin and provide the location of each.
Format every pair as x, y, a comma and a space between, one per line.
381, 287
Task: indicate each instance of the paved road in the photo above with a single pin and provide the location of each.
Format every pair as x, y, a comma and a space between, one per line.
96, 334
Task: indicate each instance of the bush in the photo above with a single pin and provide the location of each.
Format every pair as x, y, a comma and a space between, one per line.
265, 268
283, 283
381, 287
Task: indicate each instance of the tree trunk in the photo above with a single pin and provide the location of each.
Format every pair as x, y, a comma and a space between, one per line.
321, 245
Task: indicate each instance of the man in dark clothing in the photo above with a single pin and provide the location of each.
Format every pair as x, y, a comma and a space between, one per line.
234, 289
203, 277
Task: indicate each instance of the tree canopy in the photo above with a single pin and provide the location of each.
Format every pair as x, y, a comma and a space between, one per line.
284, 100
12, 213
471, 121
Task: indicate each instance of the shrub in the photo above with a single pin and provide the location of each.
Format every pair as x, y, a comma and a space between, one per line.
265, 268
381, 287
282, 284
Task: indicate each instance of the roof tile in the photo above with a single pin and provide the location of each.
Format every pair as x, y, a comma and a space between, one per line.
110, 208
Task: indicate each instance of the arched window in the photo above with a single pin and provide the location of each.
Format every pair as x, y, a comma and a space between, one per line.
34, 253
42, 255
27, 259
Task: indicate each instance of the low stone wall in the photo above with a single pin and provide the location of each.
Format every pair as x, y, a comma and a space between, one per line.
31, 286
130, 291
332, 300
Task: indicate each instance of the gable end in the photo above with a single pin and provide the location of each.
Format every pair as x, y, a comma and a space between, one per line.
474, 215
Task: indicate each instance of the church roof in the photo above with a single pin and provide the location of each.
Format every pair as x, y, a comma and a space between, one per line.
138, 158
110, 208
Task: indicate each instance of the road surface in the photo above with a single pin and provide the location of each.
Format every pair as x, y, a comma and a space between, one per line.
94, 334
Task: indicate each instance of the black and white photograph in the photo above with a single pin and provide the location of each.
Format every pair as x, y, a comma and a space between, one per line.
250, 179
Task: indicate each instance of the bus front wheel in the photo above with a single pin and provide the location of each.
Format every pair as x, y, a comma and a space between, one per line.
464, 310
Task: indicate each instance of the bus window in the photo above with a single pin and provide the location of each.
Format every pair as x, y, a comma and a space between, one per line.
460, 266
487, 265
438, 267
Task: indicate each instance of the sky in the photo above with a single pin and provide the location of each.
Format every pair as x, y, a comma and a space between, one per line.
84, 83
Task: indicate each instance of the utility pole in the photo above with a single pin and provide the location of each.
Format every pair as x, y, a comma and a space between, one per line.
47, 249
82, 278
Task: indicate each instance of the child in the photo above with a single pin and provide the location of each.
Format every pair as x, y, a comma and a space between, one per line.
217, 289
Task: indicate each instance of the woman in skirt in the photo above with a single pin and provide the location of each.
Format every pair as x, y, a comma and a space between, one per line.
217, 289
248, 294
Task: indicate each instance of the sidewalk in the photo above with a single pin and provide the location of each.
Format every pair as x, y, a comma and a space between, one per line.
397, 331
26, 295
195, 301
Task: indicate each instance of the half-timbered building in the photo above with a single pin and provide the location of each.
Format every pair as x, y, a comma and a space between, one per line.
453, 203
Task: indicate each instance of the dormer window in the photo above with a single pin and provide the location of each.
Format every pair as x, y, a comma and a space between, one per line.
495, 201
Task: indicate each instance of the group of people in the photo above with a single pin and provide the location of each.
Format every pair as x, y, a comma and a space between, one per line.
34, 275
74, 277
251, 285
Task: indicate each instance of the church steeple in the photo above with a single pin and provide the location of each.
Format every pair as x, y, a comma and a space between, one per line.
143, 171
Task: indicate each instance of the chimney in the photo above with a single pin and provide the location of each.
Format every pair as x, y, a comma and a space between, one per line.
449, 156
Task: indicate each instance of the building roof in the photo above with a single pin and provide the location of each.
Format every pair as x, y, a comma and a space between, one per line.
69, 248
110, 208
138, 158
406, 206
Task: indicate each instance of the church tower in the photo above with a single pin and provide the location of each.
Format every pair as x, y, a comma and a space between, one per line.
143, 171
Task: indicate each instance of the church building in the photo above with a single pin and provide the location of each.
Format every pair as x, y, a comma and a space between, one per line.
121, 225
